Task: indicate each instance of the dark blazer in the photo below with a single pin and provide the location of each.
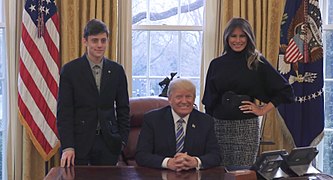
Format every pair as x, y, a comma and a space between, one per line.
157, 139
80, 105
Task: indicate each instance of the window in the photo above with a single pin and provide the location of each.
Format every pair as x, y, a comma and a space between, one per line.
166, 38
326, 148
3, 123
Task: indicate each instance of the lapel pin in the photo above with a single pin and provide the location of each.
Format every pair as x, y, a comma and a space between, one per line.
109, 71
193, 125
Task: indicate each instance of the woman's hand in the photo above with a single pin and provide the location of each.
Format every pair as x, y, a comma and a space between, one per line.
250, 107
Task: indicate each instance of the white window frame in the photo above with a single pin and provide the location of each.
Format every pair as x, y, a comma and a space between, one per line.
165, 27
4, 99
325, 27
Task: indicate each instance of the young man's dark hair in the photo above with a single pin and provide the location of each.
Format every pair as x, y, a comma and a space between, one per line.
95, 27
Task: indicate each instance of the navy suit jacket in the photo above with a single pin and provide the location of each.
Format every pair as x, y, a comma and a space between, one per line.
157, 139
80, 105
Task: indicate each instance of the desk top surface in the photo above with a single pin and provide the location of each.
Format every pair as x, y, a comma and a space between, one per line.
130, 172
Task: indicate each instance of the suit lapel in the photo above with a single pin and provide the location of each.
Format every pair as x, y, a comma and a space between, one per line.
168, 127
87, 72
106, 74
190, 133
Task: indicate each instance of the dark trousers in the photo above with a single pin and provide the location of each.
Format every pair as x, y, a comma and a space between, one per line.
99, 155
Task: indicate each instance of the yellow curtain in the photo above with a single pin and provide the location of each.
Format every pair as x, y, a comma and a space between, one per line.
265, 17
73, 14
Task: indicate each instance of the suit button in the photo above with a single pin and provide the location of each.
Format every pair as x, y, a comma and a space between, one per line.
82, 122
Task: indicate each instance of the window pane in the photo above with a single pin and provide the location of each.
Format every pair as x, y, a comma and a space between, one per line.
328, 53
139, 87
2, 78
191, 42
328, 155
164, 56
164, 12
158, 53
167, 52
1, 12
328, 79
2, 126
2, 52
330, 11
328, 104
194, 12
154, 88
146, 87
3, 97
139, 11
168, 12
139, 53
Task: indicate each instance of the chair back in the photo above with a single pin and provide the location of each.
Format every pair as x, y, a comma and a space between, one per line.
138, 107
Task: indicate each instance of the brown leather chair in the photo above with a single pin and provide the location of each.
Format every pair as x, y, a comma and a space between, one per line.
138, 106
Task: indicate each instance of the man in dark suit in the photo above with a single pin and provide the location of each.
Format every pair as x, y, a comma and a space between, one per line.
92, 95
178, 137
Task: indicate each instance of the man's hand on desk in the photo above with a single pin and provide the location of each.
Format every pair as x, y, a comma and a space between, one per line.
67, 157
189, 162
182, 161
174, 164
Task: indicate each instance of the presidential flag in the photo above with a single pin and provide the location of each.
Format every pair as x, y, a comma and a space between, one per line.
301, 62
38, 77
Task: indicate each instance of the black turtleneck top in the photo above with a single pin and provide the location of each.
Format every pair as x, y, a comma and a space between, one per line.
229, 72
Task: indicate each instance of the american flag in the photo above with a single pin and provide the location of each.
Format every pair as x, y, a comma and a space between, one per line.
38, 77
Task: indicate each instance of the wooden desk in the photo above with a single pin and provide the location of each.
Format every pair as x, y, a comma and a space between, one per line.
130, 172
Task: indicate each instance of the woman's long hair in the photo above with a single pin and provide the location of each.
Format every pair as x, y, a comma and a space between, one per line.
252, 53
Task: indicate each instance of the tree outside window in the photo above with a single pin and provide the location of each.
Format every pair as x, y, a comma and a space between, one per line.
166, 38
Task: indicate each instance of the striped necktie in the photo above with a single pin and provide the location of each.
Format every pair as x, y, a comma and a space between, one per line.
180, 136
